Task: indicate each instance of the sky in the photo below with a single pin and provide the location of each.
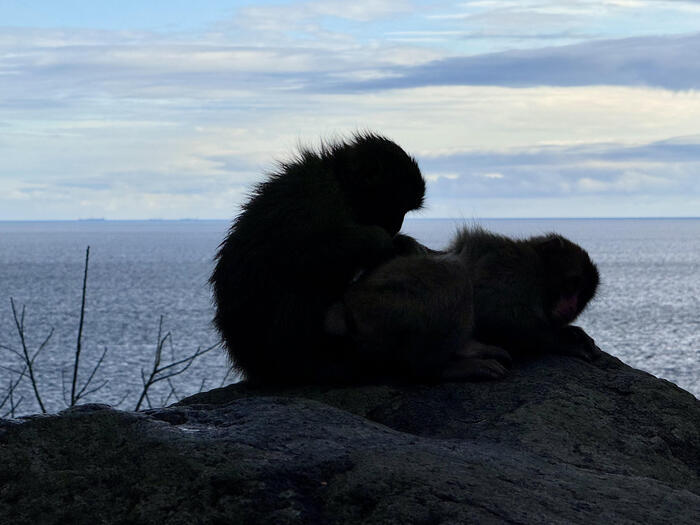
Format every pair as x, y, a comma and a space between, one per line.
174, 109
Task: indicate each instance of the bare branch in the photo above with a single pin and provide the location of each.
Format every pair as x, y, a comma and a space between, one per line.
11, 398
82, 392
22, 320
148, 400
74, 383
13, 370
18, 354
198, 353
223, 380
42, 345
165, 372
63, 387
102, 385
172, 393
29, 361
10, 391
13, 407
126, 394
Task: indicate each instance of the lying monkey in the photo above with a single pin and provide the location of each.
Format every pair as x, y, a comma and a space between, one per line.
459, 314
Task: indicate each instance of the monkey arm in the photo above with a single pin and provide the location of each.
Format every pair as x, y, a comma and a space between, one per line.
359, 246
528, 335
332, 258
518, 323
566, 340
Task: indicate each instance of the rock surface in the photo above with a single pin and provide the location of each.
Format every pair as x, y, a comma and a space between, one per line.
559, 440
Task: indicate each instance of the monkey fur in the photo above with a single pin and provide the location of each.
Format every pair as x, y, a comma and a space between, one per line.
461, 313
411, 319
296, 246
528, 292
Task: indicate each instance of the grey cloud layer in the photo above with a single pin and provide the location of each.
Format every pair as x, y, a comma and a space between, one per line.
668, 167
82, 68
667, 62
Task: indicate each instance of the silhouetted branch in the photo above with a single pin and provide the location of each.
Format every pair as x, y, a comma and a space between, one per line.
223, 381
82, 392
172, 393
73, 396
24, 355
123, 398
18, 354
9, 397
159, 372
10, 369
162, 373
63, 387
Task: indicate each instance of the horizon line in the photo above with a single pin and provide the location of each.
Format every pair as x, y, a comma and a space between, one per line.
188, 219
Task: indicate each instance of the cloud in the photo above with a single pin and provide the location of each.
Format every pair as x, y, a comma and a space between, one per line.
626, 182
582, 180
122, 119
604, 170
360, 10
540, 140
66, 68
670, 62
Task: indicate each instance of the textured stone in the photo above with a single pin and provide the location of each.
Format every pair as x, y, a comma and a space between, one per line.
559, 440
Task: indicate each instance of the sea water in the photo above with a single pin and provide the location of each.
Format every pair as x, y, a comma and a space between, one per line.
647, 311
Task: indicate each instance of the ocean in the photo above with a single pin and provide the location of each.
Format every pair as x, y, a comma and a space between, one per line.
647, 311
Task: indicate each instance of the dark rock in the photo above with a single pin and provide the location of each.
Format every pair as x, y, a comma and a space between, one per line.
559, 440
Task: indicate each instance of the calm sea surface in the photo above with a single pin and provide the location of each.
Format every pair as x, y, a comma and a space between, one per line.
647, 312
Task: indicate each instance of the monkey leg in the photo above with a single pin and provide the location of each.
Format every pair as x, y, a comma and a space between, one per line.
408, 317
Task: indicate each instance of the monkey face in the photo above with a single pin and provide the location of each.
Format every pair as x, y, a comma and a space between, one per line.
566, 309
571, 278
378, 179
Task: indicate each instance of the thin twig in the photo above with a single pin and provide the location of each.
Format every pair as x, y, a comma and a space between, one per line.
63, 388
126, 394
228, 373
73, 397
81, 393
10, 395
100, 387
10, 369
172, 393
42, 345
18, 354
29, 361
165, 372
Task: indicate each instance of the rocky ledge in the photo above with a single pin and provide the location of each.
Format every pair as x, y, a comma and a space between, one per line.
559, 440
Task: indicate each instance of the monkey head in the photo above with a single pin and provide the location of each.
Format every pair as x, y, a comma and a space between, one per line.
570, 277
378, 179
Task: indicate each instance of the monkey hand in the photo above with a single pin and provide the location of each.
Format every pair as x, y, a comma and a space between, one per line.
577, 343
477, 361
